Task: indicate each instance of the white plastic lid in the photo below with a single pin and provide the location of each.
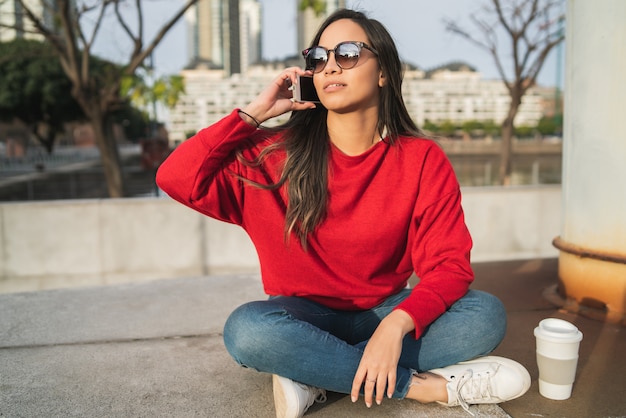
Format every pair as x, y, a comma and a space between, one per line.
558, 330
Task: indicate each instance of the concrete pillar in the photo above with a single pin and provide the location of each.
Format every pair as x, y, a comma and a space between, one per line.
592, 261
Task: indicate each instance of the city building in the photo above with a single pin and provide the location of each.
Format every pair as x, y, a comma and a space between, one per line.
450, 94
224, 34
14, 24
453, 93
211, 94
309, 22
456, 93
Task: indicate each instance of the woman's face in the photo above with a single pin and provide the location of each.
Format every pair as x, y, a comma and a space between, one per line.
348, 90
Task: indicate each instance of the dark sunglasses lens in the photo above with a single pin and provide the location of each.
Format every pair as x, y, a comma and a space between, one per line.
316, 59
347, 55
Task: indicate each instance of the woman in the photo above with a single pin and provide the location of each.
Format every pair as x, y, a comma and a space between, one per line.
343, 203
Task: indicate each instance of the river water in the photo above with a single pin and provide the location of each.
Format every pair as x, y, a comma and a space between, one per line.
482, 170
88, 183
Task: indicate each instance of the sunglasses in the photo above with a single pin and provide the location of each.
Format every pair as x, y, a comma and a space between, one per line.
346, 55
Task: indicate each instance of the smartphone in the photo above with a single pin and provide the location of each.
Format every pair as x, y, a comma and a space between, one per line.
304, 90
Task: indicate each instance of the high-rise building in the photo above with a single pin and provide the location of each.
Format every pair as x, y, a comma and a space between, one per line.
309, 22
224, 34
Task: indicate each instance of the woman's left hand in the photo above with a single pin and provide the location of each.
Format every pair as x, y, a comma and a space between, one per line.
377, 369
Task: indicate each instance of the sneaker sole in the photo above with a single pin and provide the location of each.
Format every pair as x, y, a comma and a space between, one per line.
509, 363
280, 397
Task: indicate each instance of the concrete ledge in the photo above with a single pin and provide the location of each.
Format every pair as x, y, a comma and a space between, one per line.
513, 223
67, 243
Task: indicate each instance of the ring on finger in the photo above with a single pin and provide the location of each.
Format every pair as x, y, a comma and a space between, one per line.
371, 380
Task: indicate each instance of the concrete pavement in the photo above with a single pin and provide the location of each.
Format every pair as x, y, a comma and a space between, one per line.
155, 349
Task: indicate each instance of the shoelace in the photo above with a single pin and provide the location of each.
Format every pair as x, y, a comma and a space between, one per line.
479, 388
320, 394
321, 398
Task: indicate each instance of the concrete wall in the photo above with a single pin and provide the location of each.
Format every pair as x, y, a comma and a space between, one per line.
514, 222
53, 244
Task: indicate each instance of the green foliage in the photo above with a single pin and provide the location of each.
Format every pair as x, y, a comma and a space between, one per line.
447, 128
132, 120
96, 83
430, 127
471, 126
318, 6
166, 90
34, 88
524, 131
103, 73
491, 128
550, 126
477, 129
474, 128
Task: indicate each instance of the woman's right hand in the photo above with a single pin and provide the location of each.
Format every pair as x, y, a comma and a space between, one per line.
276, 99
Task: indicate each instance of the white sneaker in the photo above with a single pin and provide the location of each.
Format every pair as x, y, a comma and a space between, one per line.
485, 380
292, 399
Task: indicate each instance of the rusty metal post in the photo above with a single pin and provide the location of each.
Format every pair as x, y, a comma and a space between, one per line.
592, 261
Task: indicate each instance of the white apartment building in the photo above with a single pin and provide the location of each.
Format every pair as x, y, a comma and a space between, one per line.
459, 96
15, 24
211, 95
454, 96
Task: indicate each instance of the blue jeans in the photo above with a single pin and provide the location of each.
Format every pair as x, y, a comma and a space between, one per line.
322, 347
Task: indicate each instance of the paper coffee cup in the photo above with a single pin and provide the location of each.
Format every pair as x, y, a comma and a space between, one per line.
557, 357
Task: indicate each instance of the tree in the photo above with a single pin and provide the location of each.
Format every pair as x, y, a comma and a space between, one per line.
491, 128
165, 90
472, 127
447, 128
318, 6
431, 127
33, 89
550, 125
97, 96
524, 131
132, 120
530, 27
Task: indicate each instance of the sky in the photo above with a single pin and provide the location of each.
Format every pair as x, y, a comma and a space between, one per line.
417, 27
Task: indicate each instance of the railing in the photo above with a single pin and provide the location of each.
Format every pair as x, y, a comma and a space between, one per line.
69, 173
72, 173
37, 159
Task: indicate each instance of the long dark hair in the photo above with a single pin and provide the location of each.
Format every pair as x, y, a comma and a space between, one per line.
305, 134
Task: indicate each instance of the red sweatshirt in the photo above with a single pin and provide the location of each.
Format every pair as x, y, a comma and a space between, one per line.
393, 210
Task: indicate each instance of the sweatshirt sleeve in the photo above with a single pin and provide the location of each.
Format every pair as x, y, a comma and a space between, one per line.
199, 172
441, 246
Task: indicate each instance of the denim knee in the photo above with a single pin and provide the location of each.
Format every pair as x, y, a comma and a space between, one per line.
239, 331
252, 331
492, 315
